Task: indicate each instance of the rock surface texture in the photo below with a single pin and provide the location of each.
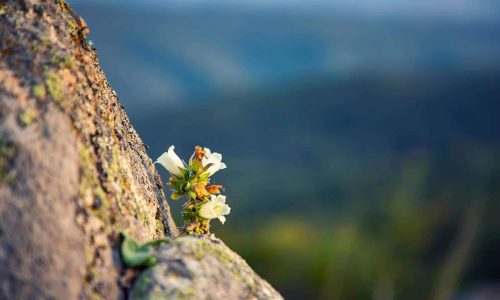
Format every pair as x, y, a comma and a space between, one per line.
193, 267
73, 171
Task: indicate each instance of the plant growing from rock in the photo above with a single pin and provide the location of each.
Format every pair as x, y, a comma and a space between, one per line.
191, 181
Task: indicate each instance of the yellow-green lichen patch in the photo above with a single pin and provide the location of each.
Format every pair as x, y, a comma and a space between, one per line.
94, 201
55, 86
159, 225
91, 192
7, 154
89, 254
63, 5
207, 247
28, 116
68, 62
73, 27
3, 10
62, 61
45, 39
145, 288
201, 248
39, 91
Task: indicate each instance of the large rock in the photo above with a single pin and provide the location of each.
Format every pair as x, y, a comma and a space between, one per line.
196, 267
73, 171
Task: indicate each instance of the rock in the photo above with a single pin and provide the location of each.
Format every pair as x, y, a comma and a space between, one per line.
197, 267
73, 172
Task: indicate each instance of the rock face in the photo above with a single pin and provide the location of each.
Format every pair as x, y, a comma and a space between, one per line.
193, 267
73, 171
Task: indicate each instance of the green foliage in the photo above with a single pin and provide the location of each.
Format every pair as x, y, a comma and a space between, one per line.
135, 254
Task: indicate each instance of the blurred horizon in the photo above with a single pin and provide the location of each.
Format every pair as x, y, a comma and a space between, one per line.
202, 57
362, 138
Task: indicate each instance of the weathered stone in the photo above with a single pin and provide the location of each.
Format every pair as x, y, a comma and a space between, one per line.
73, 172
196, 267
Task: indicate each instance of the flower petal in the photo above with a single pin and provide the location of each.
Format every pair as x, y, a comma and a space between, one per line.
219, 199
170, 161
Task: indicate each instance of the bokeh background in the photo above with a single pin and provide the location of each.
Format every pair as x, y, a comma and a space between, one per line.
362, 137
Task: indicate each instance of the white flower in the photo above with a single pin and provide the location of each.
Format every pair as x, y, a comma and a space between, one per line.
170, 161
215, 208
212, 158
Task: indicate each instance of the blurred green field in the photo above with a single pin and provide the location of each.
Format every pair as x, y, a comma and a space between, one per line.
372, 188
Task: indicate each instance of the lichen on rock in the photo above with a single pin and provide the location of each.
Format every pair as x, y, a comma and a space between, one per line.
200, 267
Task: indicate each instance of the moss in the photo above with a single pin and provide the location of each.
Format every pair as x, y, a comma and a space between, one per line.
7, 154
55, 86
28, 116
39, 91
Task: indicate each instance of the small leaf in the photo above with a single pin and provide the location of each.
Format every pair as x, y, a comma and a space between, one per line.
134, 254
196, 166
192, 194
151, 261
184, 172
204, 176
178, 186
175, 196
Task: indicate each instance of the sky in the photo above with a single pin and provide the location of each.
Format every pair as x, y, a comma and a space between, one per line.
456, 9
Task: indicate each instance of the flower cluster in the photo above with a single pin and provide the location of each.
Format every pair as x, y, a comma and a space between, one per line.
204, 201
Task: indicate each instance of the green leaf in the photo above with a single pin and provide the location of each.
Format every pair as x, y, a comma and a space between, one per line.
151, 261
195, 165
184, 172
204, 176
178, 186
192, 194
175, 196
134, 254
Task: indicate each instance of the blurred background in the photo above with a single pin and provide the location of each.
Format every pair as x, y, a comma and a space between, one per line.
362, 137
